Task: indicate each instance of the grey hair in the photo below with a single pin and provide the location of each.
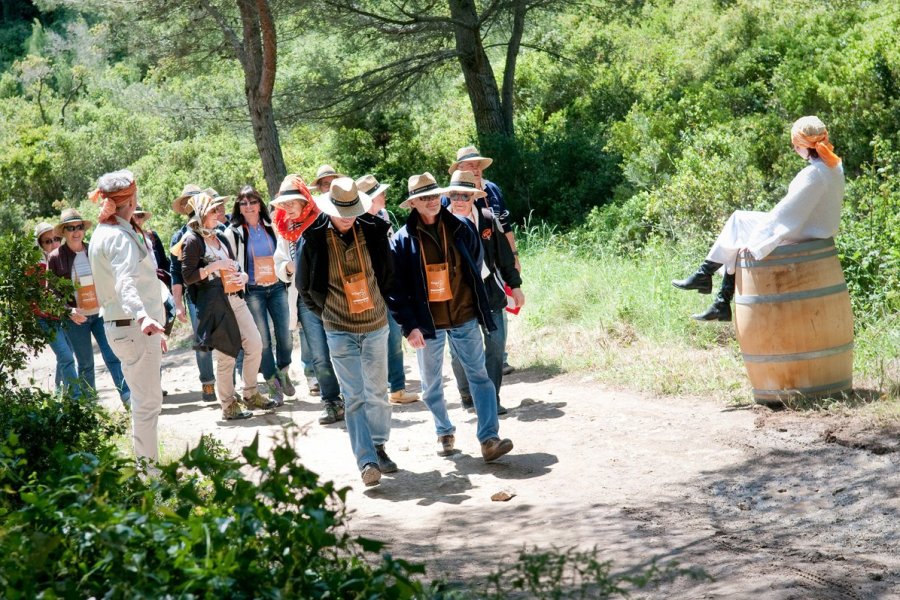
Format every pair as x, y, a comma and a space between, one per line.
115, 181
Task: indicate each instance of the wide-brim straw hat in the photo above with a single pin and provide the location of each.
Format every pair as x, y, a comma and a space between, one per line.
70, 216
326, 171
344, 199
470, 153
464, 182
180, 204
291, 188
421, 185
370, 186
39, 230
140, 211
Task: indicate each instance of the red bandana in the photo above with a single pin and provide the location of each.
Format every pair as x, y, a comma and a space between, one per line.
292, 229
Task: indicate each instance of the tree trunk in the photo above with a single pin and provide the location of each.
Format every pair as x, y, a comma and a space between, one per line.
265, 133
509, 71
481, 84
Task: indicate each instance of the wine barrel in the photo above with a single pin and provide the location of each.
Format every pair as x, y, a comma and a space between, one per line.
794, 323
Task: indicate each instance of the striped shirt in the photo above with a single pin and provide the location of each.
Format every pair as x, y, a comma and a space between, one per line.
336, 315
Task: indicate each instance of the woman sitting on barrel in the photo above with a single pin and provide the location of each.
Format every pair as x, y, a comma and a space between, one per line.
810, 210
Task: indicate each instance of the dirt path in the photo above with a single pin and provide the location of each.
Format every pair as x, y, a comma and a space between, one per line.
771, 505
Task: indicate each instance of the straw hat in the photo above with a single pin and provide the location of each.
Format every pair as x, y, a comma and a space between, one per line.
368, 185
39, 230
464, 181
291, 188
180, 205
421, 185
70, 216
344, 199
326, 171
140, 211
470, 153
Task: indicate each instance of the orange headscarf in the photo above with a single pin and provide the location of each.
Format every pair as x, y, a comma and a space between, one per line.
810, 132
111, 201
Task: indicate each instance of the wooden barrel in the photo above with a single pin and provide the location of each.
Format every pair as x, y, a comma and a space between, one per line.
794, 323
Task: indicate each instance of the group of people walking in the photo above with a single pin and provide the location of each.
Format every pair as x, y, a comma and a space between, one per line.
329, 266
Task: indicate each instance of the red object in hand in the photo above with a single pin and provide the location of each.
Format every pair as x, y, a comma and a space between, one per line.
510, 303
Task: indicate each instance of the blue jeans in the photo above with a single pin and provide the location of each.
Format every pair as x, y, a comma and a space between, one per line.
66, 375
271, 301
361, 367
396, 376
314, 331
309, 368
204, 357
467, 344
494, 351
80, 338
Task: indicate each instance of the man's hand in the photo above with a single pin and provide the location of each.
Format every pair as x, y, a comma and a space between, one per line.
181, 313
150, 326
163, 344
518, 296
416, 340
77, 317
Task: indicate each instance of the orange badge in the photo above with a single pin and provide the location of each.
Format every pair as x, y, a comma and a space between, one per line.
486, 234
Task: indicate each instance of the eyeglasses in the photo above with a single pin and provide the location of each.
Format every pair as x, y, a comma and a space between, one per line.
71, 228
140, 216
460, 197
250, 202
48, 241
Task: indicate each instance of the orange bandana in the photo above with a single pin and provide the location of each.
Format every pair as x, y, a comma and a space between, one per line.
111, 201
820, 143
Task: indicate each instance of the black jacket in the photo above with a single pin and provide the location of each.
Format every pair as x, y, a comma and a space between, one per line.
311, 267
499, 258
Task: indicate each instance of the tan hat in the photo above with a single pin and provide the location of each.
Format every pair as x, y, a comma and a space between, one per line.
344, 199
464, 181
369, 186
140, 211
39, 230
469, 153
70, 216
180, 205
421, 185
292, 188
326, 171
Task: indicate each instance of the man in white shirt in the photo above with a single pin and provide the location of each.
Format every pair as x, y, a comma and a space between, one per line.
132, 305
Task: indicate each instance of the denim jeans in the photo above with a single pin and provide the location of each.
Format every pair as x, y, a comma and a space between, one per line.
467, 344
361, 367
204, 357
309, 367
494, 347
265, 302
66, 375
314, 331
396, 376
80, 338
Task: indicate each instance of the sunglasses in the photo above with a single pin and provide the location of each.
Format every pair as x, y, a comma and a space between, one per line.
53, 240
250, 202
460, 197
71, 228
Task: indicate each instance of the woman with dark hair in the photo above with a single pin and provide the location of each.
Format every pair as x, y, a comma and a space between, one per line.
253, 239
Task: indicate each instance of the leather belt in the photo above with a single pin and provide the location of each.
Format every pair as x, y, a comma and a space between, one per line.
121, 322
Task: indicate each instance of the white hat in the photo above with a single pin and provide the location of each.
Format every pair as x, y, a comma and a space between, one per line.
421, 185
464, 181
470, 153
344, 199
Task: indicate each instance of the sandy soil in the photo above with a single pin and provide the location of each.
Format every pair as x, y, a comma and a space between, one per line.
771, 505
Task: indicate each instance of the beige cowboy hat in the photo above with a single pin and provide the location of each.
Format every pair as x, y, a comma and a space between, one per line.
344, 199
469, 153
140, 211
464, 182
421, 185
180, 205
291, 188
326, 171
369, 186
70, 216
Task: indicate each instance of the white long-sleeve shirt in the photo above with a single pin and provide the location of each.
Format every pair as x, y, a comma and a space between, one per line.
124, 274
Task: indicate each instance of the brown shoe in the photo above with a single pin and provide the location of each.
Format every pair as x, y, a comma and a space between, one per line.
402, 397
494, 448
446, 444
371, 474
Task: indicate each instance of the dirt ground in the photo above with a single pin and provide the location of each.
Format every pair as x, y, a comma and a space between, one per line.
771, 505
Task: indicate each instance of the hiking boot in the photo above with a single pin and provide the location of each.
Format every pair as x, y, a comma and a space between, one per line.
465, 400
501, 410
209, 392
235, 410
402, 397
273, 389
700, 280
284, 378
313, 384
494, 448
385, 464
259, 401
371, 475
446, 443
508, 368
332, 412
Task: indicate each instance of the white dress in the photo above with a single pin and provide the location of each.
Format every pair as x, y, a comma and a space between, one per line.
810, 210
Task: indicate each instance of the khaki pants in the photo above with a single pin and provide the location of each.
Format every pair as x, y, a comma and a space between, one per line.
251, 342
141, 357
